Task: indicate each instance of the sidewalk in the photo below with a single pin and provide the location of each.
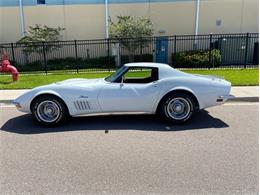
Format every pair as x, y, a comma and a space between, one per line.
248, 94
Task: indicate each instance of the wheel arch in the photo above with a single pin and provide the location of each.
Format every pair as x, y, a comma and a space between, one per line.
48, 93
180, 90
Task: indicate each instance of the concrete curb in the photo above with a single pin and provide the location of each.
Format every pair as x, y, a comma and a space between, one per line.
245, 99
6, 101
238, 99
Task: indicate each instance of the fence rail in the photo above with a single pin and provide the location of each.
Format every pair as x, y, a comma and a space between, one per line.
180, 51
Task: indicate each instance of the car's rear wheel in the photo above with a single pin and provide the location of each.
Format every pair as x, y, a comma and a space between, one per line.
49, 110
177, 107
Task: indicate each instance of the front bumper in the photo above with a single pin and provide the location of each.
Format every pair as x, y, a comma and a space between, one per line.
17, 105
222, 99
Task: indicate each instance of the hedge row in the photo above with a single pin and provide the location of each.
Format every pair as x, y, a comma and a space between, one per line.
197, 59
187, 59
70, 63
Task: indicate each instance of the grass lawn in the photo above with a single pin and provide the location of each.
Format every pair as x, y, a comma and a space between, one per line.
238, 77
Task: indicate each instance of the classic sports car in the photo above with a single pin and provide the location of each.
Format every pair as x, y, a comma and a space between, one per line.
135, 87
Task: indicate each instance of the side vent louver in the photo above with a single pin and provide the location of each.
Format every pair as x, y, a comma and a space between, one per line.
82, 105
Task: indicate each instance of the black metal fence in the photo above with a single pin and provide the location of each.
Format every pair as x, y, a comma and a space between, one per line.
183, 51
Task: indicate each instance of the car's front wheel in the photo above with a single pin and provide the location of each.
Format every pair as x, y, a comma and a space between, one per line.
177, 107
49, 110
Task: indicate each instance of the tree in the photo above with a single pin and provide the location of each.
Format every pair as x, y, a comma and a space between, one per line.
131, 32
41, 33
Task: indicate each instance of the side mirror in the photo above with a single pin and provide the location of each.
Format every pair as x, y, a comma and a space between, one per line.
122, 81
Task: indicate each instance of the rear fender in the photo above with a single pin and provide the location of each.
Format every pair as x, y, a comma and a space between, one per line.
176, 89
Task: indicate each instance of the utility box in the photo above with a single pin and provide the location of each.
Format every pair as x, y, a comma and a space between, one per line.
161, 55
233, 50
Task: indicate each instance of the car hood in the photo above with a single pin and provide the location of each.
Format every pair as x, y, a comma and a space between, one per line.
79, 82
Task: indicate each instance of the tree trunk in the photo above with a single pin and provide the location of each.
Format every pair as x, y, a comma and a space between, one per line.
131, 56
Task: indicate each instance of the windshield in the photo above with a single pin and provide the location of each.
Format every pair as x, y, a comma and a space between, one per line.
115, 75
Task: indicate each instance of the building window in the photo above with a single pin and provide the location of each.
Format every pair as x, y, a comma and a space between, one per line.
41, 2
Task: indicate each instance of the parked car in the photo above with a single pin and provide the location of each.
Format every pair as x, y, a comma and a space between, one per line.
135, 87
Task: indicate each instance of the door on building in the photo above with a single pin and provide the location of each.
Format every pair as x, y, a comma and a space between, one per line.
161, 50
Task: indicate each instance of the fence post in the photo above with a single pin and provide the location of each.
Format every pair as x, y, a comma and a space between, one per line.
246, 50
44, 57
12, 47
174, 51
76, 55
210, 51
141, 50
108, 54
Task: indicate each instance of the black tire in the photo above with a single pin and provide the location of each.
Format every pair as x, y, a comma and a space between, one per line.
56, 107
169, 103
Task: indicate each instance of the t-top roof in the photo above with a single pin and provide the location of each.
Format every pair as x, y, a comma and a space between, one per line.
146, 64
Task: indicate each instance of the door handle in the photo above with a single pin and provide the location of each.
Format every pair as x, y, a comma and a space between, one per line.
154, 82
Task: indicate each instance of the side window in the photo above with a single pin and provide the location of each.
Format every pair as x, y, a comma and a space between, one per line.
141, 75
41, 2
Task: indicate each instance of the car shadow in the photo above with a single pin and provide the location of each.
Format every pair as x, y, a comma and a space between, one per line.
25, 125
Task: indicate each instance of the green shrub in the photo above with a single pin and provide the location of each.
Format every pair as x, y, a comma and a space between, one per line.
61, 64
35, 66
137, 58
197, 59
69, 63
100, 62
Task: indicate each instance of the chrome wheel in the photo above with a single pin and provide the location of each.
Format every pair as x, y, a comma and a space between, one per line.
48, 111
178, 108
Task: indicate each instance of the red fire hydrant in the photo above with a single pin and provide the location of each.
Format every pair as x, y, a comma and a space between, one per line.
7, 67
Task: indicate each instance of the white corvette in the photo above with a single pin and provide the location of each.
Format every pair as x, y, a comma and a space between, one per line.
135, 87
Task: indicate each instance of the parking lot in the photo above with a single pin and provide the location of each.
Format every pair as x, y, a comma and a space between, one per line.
215, 153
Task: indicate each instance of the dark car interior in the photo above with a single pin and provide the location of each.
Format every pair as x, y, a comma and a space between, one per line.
151, 78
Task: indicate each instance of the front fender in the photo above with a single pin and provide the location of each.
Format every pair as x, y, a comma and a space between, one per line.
51, 92
25, 100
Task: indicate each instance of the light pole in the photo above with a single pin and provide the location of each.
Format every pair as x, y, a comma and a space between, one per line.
107, 18
197, 22
22, 27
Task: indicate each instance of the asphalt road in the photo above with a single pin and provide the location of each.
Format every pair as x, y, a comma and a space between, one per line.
216, 153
